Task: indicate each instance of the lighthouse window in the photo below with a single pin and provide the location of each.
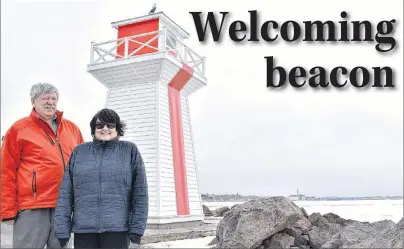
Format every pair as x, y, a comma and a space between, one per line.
171, 42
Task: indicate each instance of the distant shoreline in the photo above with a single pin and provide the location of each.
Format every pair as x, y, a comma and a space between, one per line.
238, 198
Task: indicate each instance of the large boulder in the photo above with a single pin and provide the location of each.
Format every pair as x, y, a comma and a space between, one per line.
400, 224
304, 212
388, 237
334, 218
278, 223
317, 220
321, 231
303, 225
206, 211
213, 242
299, 231
249, 224
299, 239
278, 240
360, 232
318, 236
220, 212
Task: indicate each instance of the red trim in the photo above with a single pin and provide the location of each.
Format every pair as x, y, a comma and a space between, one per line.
177, 137
181, 78
137, 29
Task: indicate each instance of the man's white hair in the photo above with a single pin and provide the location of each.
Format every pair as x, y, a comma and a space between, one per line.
42, 88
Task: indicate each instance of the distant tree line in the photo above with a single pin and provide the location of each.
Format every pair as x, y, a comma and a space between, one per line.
228, 197
237, 197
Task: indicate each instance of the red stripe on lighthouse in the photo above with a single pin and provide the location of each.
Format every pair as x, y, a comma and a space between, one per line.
177, 138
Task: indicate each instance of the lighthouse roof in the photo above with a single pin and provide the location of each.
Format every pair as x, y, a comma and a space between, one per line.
162, 17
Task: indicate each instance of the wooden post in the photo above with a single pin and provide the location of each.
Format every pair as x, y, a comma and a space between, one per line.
126, 47
92, 53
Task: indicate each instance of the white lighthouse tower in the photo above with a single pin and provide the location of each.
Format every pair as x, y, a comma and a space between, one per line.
149, 73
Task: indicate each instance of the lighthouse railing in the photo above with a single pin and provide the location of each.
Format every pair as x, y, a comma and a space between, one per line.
146, 43
184, 53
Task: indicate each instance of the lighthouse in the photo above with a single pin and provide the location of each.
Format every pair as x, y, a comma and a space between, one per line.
149, 73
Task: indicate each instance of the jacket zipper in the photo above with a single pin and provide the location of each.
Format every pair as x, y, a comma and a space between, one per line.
61, 152
34, 184
59, 146
99, 192
49, 138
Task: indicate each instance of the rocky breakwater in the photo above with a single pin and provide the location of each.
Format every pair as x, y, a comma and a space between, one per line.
218, 212
277, 222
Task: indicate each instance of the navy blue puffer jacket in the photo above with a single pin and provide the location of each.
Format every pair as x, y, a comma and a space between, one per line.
104, 189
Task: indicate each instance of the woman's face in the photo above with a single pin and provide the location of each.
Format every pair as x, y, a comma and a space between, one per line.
105, 131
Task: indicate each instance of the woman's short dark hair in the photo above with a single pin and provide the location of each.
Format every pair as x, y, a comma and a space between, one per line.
108, 116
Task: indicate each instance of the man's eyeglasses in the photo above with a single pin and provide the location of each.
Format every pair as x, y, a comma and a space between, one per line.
101, 125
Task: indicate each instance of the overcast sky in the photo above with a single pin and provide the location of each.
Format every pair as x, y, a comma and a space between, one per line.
248, 139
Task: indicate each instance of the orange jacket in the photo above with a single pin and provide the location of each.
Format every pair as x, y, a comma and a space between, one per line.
33, 161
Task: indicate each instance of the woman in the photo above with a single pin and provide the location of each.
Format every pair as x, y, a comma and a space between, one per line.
103, 198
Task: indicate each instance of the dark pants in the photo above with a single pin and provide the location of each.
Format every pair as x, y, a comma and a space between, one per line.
102, 240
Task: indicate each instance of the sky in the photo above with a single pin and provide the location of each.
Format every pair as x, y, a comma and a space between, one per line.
247, 138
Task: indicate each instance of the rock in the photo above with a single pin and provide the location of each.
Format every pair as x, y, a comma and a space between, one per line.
317, 220
299, 238
298, 231
280, 240
332, 231
334, 218
400, 224
322, 230
388, 238
247, 225
292, 231
303, 224
213, 242
220, 212
363, 233
206, 211
318, 236
304, 212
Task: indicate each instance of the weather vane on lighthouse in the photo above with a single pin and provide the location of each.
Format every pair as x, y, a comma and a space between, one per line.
153, 9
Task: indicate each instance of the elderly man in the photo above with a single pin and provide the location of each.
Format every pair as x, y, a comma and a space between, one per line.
34, 154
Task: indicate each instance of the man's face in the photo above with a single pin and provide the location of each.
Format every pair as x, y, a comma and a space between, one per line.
46, 105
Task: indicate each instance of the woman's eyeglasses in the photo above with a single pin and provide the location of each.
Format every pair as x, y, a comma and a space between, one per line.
101, 125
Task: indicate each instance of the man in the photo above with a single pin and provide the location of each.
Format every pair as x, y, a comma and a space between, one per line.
34, 154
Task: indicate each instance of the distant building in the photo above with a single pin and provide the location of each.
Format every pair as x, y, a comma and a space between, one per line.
297, 197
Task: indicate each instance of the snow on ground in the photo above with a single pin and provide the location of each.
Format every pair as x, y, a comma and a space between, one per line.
371, 211
186, 243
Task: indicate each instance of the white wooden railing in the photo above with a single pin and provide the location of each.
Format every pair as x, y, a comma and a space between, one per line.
167, 42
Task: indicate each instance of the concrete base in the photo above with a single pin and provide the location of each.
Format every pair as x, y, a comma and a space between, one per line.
163, 235
170, 222
183, 224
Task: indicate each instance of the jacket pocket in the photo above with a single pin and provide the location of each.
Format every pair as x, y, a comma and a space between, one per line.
34, 183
